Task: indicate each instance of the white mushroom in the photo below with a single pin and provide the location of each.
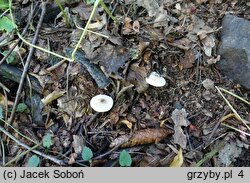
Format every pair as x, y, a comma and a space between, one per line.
155, 79
101, 103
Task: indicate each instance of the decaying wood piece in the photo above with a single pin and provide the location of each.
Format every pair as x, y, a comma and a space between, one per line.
141, 137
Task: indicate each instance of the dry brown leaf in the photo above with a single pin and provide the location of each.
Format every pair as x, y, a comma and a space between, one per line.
114, 116
136, 76
188, 60
147, 136
178, 159
127, 123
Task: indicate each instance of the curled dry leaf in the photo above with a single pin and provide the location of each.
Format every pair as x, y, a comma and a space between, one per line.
178, 159
127, 123
52, 96
146, 136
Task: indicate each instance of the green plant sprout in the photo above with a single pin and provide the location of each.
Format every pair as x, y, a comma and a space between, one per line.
63, 12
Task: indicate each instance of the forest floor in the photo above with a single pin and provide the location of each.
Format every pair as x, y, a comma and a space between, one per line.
187, 118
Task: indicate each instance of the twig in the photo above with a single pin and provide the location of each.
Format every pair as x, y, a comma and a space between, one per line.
27, 64
245, 133
51, 158
53, 67
236, 96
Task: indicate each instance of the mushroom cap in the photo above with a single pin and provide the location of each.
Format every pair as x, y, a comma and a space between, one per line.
155, 79
101, 103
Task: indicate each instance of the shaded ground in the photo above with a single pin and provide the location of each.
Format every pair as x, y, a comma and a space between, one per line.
167, 39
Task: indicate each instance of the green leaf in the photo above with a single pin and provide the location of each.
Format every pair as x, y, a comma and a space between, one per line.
33, 161
87, 154
11, 58
4, 5
6, 24
21, 107
47, 140
125, 159
90, 2
1, 112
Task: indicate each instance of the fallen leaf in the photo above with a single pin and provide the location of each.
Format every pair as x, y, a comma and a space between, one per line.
111, 58
179, 137
178, 159
179, 116
188, 60
127, 123
52, 96
136, 76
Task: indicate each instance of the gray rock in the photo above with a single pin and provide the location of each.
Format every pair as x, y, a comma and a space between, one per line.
235, 50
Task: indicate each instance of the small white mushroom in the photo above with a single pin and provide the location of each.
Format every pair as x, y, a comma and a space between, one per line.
155, 79
101, 103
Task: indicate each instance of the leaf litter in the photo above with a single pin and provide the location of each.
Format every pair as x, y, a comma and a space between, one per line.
168, 126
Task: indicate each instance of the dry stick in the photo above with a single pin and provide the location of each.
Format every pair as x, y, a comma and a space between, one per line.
24, 32
27, 64
51, 158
